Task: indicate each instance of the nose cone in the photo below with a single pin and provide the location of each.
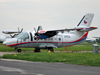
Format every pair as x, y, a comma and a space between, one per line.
8, 42
4, 42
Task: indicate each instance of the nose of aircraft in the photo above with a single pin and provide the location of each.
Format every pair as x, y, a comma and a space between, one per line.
10, 41
7, 41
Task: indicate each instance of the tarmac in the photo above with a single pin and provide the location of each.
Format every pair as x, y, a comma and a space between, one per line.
19, 67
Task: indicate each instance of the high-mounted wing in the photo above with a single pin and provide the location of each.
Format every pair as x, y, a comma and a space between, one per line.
50, 33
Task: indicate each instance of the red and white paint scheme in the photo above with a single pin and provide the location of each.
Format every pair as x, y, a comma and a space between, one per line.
52, 38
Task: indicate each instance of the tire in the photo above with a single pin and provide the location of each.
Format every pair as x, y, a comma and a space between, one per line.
19, 50
37, 50
51, 49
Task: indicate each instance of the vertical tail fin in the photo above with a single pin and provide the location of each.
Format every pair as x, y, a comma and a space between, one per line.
86, 20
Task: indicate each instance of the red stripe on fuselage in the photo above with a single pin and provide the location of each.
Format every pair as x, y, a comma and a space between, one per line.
80, 38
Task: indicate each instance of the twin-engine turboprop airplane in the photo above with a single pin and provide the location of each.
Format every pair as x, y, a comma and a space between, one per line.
50, 39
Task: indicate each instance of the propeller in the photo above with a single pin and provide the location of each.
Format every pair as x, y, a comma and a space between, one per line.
36, 32
19, 31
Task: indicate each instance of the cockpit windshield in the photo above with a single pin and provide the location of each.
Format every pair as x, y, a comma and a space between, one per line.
22, 35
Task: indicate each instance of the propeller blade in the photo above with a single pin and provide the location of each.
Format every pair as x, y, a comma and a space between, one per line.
38, 28
34, 29
37, 34
18, 29
21, 30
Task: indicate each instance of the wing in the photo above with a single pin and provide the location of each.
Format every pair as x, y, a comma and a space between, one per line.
50, 33
62, 30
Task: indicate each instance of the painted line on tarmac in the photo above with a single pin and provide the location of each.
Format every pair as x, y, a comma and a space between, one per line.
11, 69
19, 60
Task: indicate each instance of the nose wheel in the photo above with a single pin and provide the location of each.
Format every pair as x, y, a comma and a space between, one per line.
18, 50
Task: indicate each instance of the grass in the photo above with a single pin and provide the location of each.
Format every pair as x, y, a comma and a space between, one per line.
8, 49
83, 47
73, 48
76, 48
89, 59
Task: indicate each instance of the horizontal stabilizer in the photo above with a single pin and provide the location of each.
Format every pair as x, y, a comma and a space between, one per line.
85, 29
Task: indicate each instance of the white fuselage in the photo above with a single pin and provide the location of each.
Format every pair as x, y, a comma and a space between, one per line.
59, 40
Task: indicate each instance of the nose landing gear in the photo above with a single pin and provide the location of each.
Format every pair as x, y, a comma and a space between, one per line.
37, 50
18, 50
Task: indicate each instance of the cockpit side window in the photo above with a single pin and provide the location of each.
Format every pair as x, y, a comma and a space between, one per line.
23, 35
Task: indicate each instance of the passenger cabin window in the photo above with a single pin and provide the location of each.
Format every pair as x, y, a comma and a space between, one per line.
59, 39
51, 38
55, 38
23, 35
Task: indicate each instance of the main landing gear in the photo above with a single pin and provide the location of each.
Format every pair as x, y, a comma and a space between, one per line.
37, 50
51, 49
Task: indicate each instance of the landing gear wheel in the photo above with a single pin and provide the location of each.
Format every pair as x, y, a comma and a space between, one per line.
19, 50
51, 49
37, 50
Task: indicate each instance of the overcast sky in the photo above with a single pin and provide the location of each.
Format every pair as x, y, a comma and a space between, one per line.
51, 14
